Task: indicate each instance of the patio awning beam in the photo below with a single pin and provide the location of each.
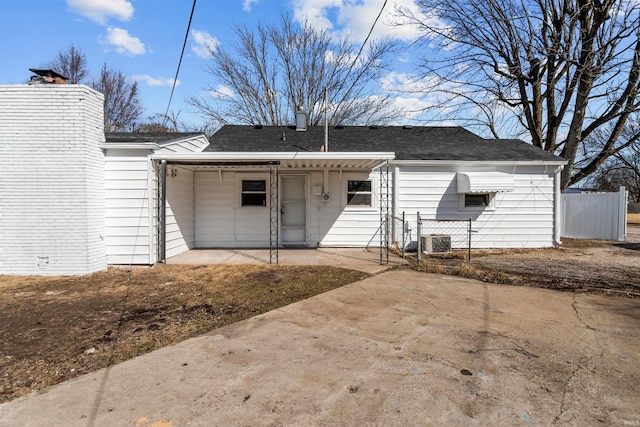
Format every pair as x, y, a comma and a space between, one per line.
223, 163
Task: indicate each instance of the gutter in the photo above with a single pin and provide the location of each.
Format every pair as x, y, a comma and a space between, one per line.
272, 155
478, 162
128, 146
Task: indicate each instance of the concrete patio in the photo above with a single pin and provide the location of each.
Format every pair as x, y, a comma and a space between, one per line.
361, 259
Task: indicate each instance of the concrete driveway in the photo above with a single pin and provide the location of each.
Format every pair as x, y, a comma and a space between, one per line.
400, 349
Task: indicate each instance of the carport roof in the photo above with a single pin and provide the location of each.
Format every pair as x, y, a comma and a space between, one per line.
409, 143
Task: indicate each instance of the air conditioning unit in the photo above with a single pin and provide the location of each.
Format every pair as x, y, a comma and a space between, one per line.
436, 243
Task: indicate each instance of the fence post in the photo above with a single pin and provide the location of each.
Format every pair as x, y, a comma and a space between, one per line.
469, 260
404, 233
623, 198
419, 242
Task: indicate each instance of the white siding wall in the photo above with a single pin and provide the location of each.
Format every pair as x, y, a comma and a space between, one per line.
129, 220
51, 180
180, 210
522, 218
220, 221
189, 145
349, 226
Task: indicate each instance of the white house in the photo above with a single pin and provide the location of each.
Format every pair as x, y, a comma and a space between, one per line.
140, 198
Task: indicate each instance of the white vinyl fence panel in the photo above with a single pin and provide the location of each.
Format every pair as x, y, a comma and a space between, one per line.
595, 215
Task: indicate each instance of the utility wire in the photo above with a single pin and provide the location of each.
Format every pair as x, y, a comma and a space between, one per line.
184, 45
364, 43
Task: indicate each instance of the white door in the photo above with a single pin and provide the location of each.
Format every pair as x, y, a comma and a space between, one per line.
293, 209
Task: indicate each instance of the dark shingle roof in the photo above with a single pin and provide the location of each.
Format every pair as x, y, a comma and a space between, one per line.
408, 143
158, 138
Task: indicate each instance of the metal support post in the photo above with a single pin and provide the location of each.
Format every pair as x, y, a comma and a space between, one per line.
404, 234
418, 233
273, 213
384, 213
469, 256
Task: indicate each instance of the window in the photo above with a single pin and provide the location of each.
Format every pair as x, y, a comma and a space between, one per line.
254, 192
474, 200
359, 193
477, 201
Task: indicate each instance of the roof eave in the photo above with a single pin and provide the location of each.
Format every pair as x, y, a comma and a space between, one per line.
255, 156
128, 146
478, 162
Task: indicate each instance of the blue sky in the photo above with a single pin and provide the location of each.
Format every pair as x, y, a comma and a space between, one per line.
143, 38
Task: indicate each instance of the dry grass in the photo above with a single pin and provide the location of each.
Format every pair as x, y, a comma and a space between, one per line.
633, 218
49, 323
579, 264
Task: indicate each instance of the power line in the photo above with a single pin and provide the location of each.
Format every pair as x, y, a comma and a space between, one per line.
364, 43
184, 45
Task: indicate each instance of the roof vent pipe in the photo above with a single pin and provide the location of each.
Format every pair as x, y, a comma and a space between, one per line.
301, 120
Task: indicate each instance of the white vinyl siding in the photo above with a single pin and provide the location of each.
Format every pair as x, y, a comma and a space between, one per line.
343, 225
522, 218
180, 222
129, 216
220, 220
193, 144
51, 180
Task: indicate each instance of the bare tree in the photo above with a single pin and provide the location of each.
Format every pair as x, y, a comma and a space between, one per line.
122, 104
277, 68
72, 64
623, 167
162, 123
562, 68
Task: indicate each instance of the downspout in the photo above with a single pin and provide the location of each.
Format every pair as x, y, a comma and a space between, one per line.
162, 238
557, 206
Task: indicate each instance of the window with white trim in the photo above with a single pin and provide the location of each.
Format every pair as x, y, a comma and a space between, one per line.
359, 193
473, 200
477, 201
254, 192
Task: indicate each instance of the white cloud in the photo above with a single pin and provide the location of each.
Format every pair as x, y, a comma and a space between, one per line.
154, 81
222, 92
355, 17
246, 6
204, 43
101, 10
123, 42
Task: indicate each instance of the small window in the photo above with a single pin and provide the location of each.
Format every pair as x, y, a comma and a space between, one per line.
475, 200
359, 193
254, 192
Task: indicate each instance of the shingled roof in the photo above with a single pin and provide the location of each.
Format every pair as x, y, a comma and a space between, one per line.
408, 142
158, 138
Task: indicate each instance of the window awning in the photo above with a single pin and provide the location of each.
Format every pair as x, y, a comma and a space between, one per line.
484, 182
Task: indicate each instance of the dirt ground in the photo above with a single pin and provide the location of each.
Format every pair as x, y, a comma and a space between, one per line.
584, 265
54, 329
